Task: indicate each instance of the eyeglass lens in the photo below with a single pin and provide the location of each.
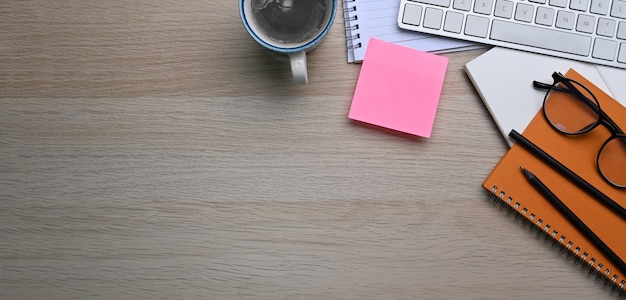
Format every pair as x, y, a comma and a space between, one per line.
570, 113
612, 161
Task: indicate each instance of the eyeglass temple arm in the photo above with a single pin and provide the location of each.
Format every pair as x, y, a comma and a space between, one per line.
541, 85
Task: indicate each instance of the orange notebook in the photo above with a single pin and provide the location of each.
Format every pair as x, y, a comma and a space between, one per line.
508, 184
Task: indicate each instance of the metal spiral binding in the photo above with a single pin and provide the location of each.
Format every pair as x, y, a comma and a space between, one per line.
350, 18
500, 198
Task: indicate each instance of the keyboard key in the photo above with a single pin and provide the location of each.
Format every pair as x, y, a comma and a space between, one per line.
622, 53
618, 9
585, 23
580, 5
604, 49
621, 31
442, 3
464, 5
453, 22
540, 37
600, 7
433, 18
476, 26
565, 19
504, 9
483, 6
412, 14
545, 16
606, 27
524, 12
558, 3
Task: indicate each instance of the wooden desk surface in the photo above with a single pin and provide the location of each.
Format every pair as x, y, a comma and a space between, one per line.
151, 149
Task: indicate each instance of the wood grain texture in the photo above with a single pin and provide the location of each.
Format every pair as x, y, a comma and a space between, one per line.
152, 150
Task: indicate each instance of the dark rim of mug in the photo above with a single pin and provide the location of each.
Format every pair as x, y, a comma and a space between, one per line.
306, 46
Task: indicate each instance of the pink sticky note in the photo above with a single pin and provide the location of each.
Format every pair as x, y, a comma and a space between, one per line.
398, 88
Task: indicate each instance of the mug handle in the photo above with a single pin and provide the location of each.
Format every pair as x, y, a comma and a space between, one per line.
298, 67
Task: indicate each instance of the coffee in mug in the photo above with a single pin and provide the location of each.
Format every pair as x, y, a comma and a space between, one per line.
289, 26
289, 21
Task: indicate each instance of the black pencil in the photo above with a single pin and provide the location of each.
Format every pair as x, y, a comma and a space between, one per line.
569, 174
572, 218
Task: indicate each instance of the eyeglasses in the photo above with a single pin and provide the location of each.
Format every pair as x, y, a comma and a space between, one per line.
571, 108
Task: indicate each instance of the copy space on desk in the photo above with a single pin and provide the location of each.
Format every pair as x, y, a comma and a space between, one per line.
398, 88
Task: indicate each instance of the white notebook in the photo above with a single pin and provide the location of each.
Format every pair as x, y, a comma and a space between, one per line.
503, 79
365, 19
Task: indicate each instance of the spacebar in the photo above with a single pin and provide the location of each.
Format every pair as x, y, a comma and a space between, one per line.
540, 37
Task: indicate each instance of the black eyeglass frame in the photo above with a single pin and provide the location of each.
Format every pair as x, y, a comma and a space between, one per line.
603, 118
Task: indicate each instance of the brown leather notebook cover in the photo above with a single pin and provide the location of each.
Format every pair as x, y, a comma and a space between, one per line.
578, 153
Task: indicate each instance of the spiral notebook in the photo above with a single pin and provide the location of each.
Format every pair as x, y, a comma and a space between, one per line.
509, 187
365, 19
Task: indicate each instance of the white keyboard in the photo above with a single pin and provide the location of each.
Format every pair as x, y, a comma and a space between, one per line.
586, 30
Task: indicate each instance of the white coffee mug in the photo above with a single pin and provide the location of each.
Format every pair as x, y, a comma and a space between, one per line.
291, 27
